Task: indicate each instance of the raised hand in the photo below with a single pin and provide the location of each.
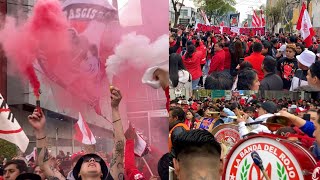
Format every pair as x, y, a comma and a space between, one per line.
38, 121
115, 97
162, 76
130, 134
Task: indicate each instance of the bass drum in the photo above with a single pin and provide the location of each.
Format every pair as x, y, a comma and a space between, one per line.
281, 158
228, 133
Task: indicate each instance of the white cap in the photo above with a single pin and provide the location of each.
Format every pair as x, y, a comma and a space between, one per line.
307, 58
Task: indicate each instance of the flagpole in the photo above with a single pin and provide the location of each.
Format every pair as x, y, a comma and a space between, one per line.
72, 139
144, 160
57, 141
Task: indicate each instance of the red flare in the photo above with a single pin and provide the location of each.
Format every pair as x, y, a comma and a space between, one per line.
33, 80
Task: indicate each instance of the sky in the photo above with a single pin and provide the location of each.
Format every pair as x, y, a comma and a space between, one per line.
245, 7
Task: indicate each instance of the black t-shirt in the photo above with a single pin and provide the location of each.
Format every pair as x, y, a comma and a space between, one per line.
287, 68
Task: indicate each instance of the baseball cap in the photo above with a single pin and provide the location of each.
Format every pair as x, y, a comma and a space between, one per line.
307, 58
269, 106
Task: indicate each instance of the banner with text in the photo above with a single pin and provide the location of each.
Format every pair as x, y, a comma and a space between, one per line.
227, 30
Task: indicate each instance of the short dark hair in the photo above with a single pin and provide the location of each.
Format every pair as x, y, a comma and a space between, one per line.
267, 45
257, 47
218, 80
20, 164
301, 46
178, 112
245, 64
249, 109
293, 39
269, 64
246, 78
315, 69
220, 44
197, 142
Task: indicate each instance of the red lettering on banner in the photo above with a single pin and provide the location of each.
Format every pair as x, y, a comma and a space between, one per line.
216, 29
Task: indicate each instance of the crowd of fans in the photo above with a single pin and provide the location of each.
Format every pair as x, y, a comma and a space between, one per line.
241, 62
192, 122
121, 163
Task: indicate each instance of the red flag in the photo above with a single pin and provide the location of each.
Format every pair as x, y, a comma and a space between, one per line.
256, 21
304, 26
263, 21
83, 133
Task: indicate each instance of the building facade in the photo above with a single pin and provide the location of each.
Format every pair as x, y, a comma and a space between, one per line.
187, 13
61, 119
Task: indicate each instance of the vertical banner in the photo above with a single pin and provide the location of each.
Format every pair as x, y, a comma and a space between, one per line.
234, 20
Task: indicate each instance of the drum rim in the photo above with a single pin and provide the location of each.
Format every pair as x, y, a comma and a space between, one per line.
220, 126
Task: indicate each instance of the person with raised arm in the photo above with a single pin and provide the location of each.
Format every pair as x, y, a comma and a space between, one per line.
89, 166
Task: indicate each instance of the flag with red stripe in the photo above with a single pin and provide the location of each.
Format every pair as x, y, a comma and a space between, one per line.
83, 133
10, 129
255, 20
304, 26
263, 21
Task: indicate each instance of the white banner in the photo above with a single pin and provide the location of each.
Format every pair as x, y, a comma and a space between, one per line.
10, 129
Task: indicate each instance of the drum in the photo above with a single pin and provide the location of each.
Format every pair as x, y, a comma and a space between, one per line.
281, 158
273, 126
227, 133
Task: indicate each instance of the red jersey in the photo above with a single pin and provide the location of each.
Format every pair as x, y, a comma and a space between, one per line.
256, 60
217, 62
193, 65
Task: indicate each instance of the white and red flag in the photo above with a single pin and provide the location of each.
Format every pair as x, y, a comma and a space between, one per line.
205, 18
83, 133
10, 129
33, 154
305, 27
256, 21
263, 21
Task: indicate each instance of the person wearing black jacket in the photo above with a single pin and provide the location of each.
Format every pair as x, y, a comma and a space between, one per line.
271, 80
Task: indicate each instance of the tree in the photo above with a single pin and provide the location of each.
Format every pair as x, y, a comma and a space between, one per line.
8, 150
274, 13
177, 10
217, 9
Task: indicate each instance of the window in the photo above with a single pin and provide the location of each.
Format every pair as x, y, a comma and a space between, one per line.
183, 12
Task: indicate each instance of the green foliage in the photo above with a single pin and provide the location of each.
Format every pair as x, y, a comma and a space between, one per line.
274, 13
7, 150
289, 27
217, 8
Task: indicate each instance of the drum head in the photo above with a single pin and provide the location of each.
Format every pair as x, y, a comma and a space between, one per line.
273, 126
279, 161
279, 120
227, 134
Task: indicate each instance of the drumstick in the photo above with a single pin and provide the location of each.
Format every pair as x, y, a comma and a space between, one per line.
258, 161
253, 123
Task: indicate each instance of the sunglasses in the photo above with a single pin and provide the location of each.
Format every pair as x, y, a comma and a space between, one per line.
88, 158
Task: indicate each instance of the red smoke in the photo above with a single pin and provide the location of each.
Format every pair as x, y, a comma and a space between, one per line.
44, 32
33, 80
